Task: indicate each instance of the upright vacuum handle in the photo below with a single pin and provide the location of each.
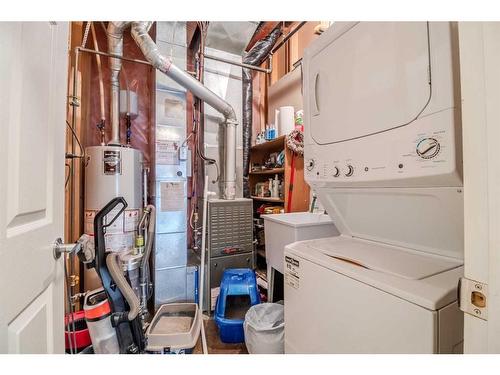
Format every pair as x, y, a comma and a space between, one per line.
129, 334
100, 228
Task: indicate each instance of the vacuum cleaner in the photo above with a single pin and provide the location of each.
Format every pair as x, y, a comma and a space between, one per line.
175, 327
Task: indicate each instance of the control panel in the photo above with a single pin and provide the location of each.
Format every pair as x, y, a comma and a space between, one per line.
398, 122
428, 148
419, 150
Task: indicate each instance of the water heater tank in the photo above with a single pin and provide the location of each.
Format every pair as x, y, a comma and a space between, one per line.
113, 171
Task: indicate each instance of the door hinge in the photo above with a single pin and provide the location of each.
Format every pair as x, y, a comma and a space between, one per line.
473, 297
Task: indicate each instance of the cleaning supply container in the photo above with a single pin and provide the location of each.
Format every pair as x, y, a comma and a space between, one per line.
175, 329
98, 318
238, 292
80, 337
265, 329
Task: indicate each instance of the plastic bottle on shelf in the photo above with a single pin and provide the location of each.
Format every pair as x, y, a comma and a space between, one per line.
272, 131
299, 120
276, 186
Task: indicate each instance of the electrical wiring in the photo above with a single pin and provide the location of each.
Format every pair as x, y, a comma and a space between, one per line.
187, 139
69, 175
82, 150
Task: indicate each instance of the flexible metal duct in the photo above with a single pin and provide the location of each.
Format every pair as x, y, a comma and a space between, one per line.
115, 46
144, 270
255, 56
165, 65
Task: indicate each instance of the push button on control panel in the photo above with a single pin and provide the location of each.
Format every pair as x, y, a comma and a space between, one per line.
310, 165
349, 170
336, 172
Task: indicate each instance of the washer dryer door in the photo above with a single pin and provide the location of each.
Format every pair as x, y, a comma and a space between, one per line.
370, 78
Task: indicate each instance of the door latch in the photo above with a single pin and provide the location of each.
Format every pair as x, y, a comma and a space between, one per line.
473, 297
61, 248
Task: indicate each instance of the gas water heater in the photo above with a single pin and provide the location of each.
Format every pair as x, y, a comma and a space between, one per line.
113, 171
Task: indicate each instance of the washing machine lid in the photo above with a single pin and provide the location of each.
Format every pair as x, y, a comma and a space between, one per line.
391, 260
424, 279
426, 219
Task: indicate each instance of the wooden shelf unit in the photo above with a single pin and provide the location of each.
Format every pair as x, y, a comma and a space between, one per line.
300, 194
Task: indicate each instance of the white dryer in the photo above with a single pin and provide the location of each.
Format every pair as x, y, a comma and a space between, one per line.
383, 152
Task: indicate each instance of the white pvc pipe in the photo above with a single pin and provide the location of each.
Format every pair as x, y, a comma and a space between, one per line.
145, 187
230, 162
206, 193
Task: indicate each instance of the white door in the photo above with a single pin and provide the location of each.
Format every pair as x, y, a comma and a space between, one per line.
33, 71
480, 85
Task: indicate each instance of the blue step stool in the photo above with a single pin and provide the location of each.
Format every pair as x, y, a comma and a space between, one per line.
237, 285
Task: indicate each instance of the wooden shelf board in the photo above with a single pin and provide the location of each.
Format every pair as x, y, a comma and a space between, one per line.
269, 171
268, 199
274, 145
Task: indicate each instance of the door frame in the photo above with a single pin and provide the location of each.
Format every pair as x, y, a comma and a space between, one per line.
480, 89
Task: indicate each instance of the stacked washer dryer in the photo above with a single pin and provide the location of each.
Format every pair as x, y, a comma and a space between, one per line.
383, 152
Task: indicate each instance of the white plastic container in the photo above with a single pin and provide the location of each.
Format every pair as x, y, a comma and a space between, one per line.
264, 328
283, 229
98, 318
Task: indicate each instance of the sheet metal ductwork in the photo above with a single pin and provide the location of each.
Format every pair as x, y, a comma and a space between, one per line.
115, 46
151, 52
255, 56
165, 65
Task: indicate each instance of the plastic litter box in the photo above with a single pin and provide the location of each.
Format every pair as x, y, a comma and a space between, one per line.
238, 292
174, 329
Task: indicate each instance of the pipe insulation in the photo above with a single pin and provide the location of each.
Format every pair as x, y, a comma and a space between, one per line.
115, 46
165, 65
255, 56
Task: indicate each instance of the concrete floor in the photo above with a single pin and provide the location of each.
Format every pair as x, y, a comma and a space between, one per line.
215, 346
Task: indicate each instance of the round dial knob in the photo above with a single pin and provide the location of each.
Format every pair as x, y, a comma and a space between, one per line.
336, 172
310, 165
349, 171
427, 148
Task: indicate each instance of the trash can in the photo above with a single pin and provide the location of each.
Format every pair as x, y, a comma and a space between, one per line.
264, 328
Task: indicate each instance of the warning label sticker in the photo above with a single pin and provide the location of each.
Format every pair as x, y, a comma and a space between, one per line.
167, 152
119, 242
292, 272
131, 220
